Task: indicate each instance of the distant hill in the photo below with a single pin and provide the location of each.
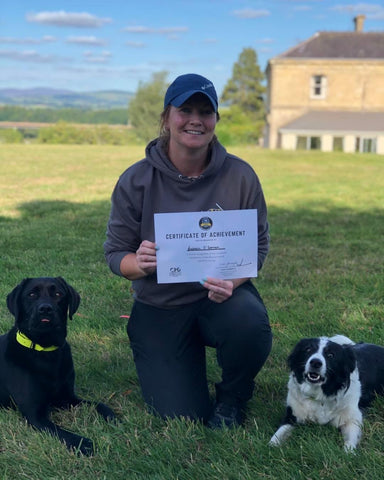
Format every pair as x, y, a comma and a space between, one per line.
54, 98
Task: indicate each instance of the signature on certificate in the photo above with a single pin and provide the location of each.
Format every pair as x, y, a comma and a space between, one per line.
205, 248
242, 263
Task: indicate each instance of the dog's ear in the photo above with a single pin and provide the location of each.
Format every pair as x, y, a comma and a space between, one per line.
349, 359
73, 296
292, 357
13, 299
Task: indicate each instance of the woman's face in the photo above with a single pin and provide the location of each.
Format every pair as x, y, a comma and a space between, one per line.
192, 125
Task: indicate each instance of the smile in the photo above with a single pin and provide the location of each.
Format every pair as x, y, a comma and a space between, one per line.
193, 132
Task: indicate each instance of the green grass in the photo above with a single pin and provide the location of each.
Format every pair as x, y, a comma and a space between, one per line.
324, 275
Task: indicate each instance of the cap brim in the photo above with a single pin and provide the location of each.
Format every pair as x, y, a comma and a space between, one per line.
180, 99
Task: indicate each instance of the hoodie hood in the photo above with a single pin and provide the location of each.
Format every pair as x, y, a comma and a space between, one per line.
157, 157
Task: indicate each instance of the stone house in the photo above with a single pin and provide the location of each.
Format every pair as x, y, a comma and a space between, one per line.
327, 93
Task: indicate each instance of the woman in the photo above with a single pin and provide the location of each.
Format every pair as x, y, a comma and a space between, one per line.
186, 169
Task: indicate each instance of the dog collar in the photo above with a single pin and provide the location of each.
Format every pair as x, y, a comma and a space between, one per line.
27, 342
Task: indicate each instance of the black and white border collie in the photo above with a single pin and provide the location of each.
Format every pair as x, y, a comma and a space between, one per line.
331, 380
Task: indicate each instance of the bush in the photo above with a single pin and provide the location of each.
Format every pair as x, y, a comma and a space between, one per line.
10, 135
114, 136
61, 132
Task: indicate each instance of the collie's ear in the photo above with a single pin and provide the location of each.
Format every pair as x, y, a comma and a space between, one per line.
291, 359
73, 297
299, 349
292, 356
349, 358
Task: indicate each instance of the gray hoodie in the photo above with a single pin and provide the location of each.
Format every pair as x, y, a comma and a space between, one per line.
154, 185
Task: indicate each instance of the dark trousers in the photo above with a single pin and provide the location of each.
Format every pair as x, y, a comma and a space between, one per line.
169, 351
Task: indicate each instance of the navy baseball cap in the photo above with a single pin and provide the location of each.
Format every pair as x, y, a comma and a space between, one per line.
187, 85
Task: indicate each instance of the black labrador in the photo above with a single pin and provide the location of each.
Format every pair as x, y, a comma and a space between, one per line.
36, 366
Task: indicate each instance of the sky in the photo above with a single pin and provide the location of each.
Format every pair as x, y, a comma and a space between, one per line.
90, 45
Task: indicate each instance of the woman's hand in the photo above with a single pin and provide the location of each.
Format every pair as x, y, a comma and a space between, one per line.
146, 257
221, 290
218, 290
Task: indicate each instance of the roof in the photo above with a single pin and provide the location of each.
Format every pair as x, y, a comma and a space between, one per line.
367, 45
337, 121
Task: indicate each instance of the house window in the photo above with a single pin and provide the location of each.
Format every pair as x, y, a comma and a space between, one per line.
369, 145
338, 144
301, 143
308, 143
318, 86
314, 143
365, 145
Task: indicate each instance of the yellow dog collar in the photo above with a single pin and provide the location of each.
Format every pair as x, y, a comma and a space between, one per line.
27, 342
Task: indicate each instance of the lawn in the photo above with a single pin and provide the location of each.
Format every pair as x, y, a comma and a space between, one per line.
323, 275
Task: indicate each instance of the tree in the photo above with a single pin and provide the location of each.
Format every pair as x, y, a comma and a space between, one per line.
237, 128
245, 88
145, 107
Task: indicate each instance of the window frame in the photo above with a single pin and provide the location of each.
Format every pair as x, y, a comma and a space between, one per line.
308, 141
318, 82
362, 141
340, 141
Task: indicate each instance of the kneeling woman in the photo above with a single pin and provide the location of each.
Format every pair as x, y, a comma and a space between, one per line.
186, 169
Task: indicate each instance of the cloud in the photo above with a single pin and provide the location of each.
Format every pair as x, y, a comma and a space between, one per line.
158, 31
90, 40
27, 41
68, 19
48, 38
104, 57
27, 56
250, 13
371, 10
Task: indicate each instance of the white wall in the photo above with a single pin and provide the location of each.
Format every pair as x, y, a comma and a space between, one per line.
326, 143
289, 142
349, 143
380, 145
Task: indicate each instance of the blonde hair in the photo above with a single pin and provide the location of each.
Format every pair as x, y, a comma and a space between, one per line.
163, 131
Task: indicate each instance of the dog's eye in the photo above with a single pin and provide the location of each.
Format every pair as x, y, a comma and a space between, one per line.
32, 295
330, 355
58, 294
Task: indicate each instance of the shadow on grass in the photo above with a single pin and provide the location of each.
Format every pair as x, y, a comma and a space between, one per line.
49, 236
320, 255
53, 236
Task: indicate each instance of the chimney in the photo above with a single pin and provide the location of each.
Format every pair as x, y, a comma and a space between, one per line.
359, 23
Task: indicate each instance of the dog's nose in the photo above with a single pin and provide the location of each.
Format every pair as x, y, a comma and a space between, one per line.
316, 363
45, 308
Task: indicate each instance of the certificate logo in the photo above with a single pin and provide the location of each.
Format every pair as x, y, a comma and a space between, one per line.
205, 223
174, 271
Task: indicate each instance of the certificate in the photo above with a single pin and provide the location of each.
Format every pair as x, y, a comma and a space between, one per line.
196, 245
